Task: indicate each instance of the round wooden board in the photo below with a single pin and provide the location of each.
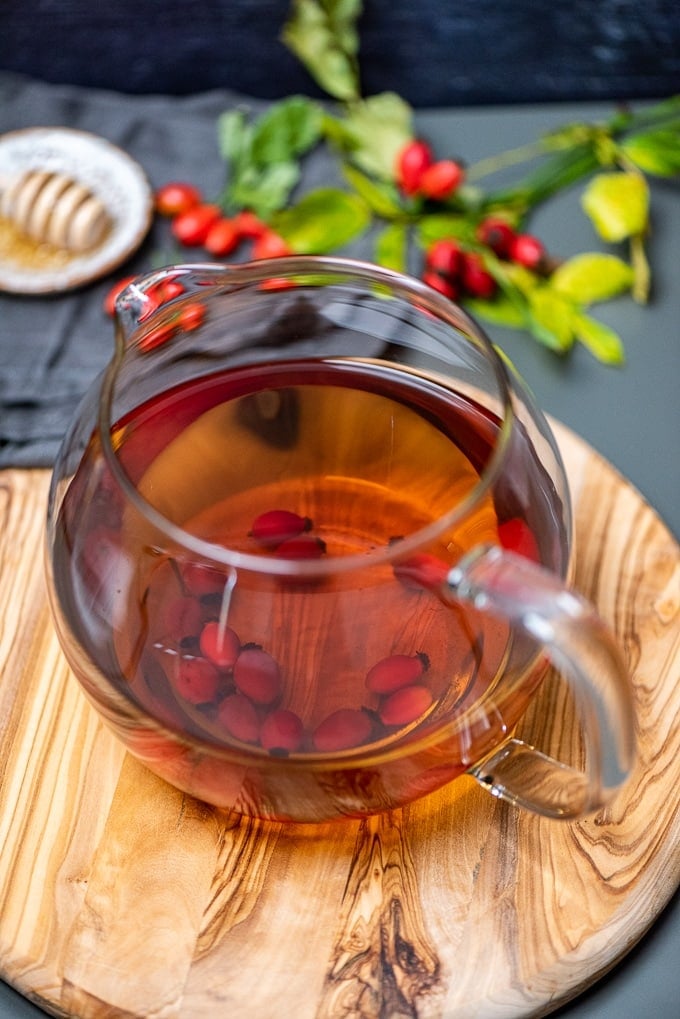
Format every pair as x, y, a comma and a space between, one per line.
121, 897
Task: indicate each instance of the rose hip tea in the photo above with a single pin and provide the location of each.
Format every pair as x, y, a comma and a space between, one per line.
307, 546
309, 462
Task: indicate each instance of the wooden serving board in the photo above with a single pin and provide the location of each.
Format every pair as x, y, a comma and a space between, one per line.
121, 897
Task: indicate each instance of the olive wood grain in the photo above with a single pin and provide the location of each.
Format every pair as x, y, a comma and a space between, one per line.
121, 897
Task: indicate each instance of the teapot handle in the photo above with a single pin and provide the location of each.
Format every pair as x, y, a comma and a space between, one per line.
584, 650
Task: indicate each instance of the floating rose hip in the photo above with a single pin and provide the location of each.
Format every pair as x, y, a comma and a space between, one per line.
197, 680
257, 675
396, 671
282, 730
200, 580
422, 570
220, 645
344, 729
405, 705
278, 525
238, 716
181, 617
517, 536
305, 546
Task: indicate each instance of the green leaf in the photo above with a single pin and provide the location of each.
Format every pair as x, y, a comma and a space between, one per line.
655, 152
234, 137
501, 311
438, 226
599, 339
264, 191
381, 197
512, 276
323, 36
324, 220
551, 319
588, 278
287, 130
374, 131
391, 248
617, 204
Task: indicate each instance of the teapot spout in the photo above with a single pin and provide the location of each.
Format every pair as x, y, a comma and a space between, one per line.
148, 310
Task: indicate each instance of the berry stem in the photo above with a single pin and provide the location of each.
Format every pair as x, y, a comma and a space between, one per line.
555, 175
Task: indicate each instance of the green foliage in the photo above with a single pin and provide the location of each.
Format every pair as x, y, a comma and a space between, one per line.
617, 204
589, 278
373, 131
264, 158
323, 35
263, 155
322, 221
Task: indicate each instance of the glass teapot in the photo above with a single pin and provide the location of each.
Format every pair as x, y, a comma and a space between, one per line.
309, 543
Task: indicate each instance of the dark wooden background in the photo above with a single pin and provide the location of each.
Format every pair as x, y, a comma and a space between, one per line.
433, 52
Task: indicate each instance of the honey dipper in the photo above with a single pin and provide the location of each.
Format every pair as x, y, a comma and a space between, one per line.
52, 208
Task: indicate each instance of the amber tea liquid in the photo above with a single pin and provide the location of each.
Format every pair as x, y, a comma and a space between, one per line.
339, 459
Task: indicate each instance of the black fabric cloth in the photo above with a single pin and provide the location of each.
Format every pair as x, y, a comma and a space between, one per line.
53, 347
433, 52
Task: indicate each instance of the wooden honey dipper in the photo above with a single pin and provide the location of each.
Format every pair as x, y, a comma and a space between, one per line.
54, 209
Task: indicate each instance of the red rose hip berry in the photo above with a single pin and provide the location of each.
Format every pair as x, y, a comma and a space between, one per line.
176, 197
238, 716
344, 729
517, 536
222, 237
282, 730
220, 645
270, 245
396, 671
197, 680
440, 180
249, 225
191, 228
497, 234
422, 570
276, 526
257, 675
156, 336
527, 250
475, 278
412, 161
200, 580
405, 705
114, 291
181, 617
305, 546
192, 316
168, 290
444, 256
442, 284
